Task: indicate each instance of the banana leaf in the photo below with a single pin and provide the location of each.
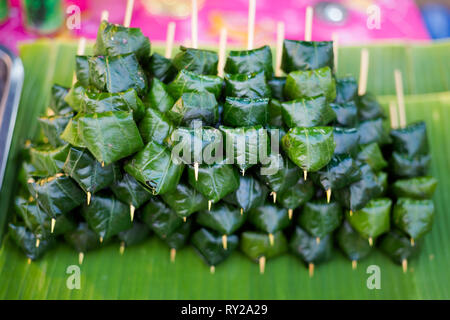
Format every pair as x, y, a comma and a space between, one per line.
179, 238
276, 85
199, 61
415, 188
222, 218
209, 246
192, 106
403, 166
340, 172
398, 247
82, 70
136, 234
106, 216
309, 84
244, 145
47, 160
368, 107
249, 195
160, 218
346, 89
82, 239
306, 55
154, 167
320, 218
110, 136
161, 68
346, 114
185, 200
309, 148
26, 240
411, 140
53, 126
245, 112
129, 191
307, 112
352, 244
269, 218
372, 155
359, 193
57, 194
250, 61
247, 85
57, 103
114, 40
155, 126
187, 81
82, 167
214, 181
373, 220
117, 74
256, 245
414, 217
298, 195
373, 131
158, 96
275, 114
281, 174
308, 249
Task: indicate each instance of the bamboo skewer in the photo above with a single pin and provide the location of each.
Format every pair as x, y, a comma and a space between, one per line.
279, 48
128, 13
400, 97
52, 227
363, 72
335, 38
251, 24
194, 25
224, 242
169, 39
271, 239
262, 264
308, 23
393, 115
274, 195
222, 52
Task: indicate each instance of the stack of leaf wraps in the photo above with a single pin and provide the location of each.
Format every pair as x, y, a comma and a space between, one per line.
142, 144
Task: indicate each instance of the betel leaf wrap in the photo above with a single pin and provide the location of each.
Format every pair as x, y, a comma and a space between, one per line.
269, 218
346, 89
81, 166
53, 126
298, 195
372, 155
403, 166
256, 245
82, 239
398, 247
135, 235
114, 39
154, 167
130, 191
187, 81
160, 218
250, 194
222, 218
214, 181
57, 102
368, 107
247, 85
309, 148
415, 188
57, 194
306, 247
71, 133
307, 112
250, 61
346, 114
194, 106
161, 68
26, 240
48, 161
178, 238
347, 141
341, 171
110, 136
411, 140
185, 200
354, 246
245, 112
306, 55
276, 85
106, 215
414, 217
282, 173
373, 131
155, 126
117, 74
199, 61
158, 96
311, 83
82, 70
275, 117
320, 218
209, 246
372, 220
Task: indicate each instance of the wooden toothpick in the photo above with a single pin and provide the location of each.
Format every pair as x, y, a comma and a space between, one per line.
279, 48
335, 38
128, 13
222, 52
400, 97
169, 39
251, 24
194, 24
308, 23
363, 72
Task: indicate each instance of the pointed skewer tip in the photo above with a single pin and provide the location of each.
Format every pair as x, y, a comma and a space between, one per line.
405, 265
328, 195
354, 264
318, 240
173, 254
224, 241
52, 227
122, 248
262, 264
80, 258
371, 241
290, 213
132, 209
271, 239
88, 198
212, 269
311, 269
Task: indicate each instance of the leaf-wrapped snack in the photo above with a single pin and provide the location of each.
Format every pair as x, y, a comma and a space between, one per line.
347, 141
26, 240
309, 249
179, 237
47, 160
346, 114
415, 188
354, 246
307, 112
247, 85
82, 70
398, 247
250, 193
245, 112
53, 126
368, 107
306, 55
411, 140
185, 200
250, 61
256, 245
320, 218
191, 106
311, 83
160, 218
187, 81
161, 68
269, 218
57, 102
136, 234
373, 131
297, 195
341, 171
346, 89
82, 239
158, 96
199, 61
414, 217
128, 190
222, 218
282, 174
372, 155
403, 166
209, 246
155, 126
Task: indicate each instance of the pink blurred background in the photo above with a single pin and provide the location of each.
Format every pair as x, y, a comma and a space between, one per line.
399, 19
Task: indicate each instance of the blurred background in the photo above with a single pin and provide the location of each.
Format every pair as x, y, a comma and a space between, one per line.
355, 21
